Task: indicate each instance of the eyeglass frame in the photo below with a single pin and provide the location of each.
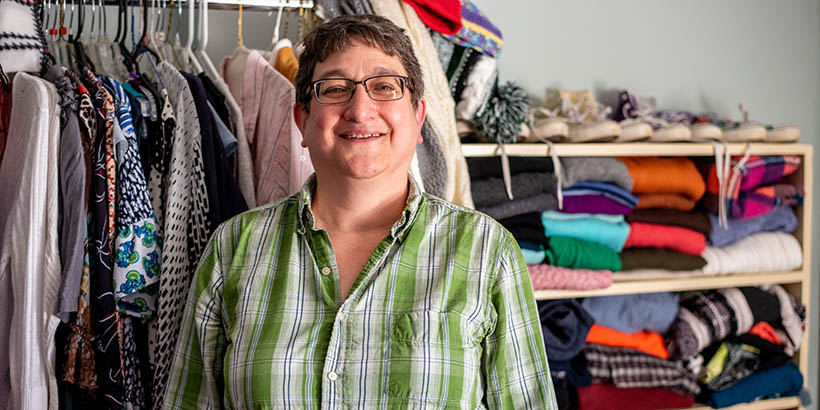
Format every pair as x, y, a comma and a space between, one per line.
406, 83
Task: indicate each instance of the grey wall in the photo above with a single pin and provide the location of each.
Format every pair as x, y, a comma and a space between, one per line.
696, 55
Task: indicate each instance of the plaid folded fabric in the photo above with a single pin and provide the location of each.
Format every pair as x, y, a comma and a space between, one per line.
477, 31
761, 200
757, 172
625, 367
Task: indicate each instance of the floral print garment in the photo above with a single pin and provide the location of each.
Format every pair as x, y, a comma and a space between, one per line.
137, 255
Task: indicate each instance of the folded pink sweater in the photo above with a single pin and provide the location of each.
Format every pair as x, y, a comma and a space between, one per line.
644, 234
555, 277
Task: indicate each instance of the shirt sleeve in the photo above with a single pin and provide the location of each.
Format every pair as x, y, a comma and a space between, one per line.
514, 359
196, 380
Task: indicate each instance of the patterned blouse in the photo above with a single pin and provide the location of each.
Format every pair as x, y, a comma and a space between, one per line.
185, 224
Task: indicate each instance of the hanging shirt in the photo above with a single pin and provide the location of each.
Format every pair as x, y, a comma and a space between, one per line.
30, 258
224, 196
159, 158
101, 226
267, 107
442, 315
72, 194
185, 227
244, 160
137, 258
80, 364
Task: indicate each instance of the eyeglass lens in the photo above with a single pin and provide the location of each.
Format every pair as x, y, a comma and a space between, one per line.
381, 88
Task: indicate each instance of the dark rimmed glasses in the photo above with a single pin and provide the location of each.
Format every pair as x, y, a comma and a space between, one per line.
341, 90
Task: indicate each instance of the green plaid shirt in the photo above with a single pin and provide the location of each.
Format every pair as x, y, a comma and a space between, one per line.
441, 316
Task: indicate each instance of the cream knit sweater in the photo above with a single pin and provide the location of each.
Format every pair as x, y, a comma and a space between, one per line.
440, 104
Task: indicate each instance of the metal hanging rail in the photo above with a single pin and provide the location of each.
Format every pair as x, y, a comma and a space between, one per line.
246, 4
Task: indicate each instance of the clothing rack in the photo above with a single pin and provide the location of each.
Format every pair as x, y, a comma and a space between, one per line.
246, 4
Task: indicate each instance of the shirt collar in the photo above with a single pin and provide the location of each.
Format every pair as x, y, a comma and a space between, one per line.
397, 231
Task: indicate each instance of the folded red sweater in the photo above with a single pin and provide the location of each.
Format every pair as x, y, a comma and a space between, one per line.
643, 234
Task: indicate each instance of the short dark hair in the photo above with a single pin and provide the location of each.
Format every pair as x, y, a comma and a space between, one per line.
337, 34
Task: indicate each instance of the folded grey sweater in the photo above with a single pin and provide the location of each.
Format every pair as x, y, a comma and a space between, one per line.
601, 169
491, 191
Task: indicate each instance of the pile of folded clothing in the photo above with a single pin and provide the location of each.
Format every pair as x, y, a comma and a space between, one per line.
756, 233
666, 232
584, 236
736, 339
531, 183
641, 217
668, 350
627, 356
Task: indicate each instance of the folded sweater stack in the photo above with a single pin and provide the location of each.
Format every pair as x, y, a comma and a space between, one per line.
532, 184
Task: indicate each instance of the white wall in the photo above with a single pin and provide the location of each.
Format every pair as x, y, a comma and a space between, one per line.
696, 55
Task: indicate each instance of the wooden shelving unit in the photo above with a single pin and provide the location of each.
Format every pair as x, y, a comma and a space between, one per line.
796, 282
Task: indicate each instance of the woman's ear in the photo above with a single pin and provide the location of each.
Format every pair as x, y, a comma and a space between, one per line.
299, 117
421, 112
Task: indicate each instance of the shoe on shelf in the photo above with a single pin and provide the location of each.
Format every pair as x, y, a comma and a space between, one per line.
774, 133
543, 124
699, 127
632, 108
634, 131
585, 117
782, 133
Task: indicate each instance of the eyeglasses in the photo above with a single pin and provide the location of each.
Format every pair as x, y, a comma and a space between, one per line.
379, 88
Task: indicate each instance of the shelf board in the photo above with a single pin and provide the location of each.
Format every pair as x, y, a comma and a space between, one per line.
631, 149
782, 403
666, 284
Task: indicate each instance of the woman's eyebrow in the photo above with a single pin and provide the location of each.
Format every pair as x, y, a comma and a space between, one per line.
341, 73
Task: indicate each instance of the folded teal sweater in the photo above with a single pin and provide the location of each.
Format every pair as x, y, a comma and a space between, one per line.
593, 229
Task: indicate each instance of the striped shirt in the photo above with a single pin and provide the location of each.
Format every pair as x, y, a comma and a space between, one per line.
441, 316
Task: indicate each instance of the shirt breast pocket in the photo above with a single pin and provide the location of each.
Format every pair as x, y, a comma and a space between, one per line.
435, 358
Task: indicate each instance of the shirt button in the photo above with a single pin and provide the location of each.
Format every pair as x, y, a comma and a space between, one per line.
325, 271
332, 376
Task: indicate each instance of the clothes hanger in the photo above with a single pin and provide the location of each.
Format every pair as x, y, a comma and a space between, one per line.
142, 46
105, 46
240, 43
89, 45
81, 58
180, 54
49, 31
276, 27
204, 59
189, 41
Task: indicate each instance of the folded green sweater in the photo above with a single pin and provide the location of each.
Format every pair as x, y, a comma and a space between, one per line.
580, 254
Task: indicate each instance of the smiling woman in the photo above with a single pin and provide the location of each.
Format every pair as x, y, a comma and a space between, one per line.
361, 291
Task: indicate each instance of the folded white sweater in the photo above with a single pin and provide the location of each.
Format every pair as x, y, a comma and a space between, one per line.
761, 252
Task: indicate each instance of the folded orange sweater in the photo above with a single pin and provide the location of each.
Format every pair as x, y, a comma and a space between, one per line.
665, 175
647, 235
677, 202
644, 341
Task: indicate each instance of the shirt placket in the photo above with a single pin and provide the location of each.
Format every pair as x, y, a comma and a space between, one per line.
326, 269
334, 376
